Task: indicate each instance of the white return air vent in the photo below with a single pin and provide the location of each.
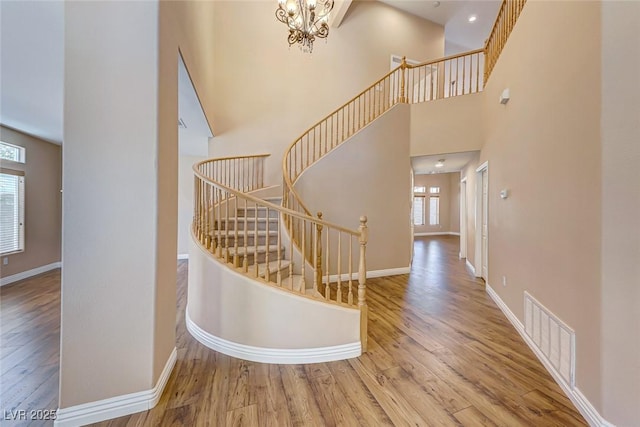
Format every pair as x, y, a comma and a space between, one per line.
555, 340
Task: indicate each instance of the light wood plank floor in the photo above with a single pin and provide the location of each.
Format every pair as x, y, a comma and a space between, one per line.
440, 353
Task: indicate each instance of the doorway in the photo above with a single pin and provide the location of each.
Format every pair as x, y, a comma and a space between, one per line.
482, 222
463, 218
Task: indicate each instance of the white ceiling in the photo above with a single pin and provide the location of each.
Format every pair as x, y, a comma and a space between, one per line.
453, 162
32, 67
460, 34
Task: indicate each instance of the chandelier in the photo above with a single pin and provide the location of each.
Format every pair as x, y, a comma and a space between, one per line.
306, 20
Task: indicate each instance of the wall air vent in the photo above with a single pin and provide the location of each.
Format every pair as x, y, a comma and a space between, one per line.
552, 336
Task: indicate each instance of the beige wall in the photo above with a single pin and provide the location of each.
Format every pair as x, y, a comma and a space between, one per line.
448, 207
110, 211
450, 125
544, 146
185, 201
119, 300
375, 164
620, 235
265, 94
43, 202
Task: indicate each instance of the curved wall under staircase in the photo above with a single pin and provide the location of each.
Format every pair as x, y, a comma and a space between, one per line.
249, 319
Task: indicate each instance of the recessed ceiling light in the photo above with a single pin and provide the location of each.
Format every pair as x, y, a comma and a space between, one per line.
436, 4
472, 18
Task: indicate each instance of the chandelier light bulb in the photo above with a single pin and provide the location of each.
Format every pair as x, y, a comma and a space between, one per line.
306, 20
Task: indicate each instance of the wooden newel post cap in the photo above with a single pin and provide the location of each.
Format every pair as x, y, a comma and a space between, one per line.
364, 231
320, 215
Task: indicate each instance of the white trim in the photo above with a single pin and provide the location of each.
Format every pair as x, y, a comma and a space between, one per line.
273, 355
587, 410
473, 269
437, 233
118, 406
483, 166
479, 218
29, 273
183, 256
370, 274
583, 405
463, 218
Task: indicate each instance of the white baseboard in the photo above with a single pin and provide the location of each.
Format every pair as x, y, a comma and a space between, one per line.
473, 269
273, 355
591, 415
437, 233
370, 274
183, 256
29, 273
118, 406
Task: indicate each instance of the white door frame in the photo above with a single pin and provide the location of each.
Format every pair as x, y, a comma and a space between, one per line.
463, 218
478, 221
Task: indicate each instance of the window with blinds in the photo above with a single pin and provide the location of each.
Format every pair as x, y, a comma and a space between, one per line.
418, 210
11, 211
11, 152
434, 210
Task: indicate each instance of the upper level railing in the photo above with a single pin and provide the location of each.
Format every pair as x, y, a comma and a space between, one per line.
505, 21
447, 77
245, 231
455, 75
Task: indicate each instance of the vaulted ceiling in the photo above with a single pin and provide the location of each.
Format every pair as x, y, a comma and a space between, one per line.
32, 55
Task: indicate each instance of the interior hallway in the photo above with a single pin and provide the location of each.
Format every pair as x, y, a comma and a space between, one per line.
440, 353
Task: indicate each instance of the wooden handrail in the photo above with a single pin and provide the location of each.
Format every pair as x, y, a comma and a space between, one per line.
262, 202
446, 58
505, 21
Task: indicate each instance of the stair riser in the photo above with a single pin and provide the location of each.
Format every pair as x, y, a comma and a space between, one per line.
251, 213
251, 241
273, 275
252, 259
251, 225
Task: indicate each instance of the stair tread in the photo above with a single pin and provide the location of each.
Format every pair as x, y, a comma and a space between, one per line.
241, 250
250, 233
248, 218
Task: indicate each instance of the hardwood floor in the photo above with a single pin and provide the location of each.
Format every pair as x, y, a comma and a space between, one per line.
440, 353
29, 349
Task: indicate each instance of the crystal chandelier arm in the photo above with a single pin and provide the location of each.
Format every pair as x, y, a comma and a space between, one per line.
306, 20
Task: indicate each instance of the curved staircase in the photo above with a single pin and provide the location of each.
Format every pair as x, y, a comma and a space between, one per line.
252, 246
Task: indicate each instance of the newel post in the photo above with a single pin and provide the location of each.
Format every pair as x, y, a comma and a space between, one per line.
403, 68
362, 280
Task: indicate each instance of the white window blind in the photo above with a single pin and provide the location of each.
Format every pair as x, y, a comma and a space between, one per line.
11, 212
434, 210
418, 210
